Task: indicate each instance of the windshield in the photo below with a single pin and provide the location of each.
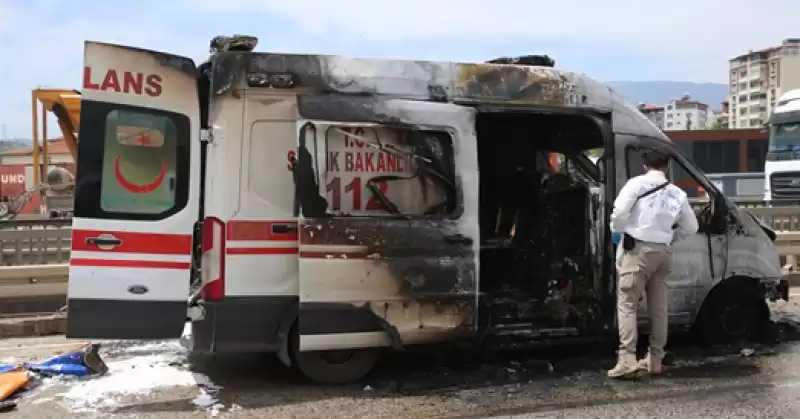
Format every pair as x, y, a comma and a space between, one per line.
784, 141
784, 137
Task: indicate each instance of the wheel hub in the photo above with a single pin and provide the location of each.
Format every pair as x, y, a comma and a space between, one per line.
735, 320
337, 357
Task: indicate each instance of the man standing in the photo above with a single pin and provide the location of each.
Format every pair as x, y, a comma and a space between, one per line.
647, 212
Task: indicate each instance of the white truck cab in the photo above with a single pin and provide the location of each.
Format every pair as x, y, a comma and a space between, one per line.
322, 207
782, 165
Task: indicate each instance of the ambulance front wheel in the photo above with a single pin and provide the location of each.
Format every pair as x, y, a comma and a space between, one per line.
333, 367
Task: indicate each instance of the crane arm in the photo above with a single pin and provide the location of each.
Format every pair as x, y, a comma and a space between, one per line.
66, 106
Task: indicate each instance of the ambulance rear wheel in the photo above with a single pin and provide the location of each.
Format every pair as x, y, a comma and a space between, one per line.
333, 367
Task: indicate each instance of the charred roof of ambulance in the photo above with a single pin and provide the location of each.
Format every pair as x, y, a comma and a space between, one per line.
241, 43
535, 60
503, 81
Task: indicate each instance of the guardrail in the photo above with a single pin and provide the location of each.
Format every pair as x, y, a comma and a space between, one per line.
35, 242
781, 216
34, 224
739, 184
750, 202
43, 280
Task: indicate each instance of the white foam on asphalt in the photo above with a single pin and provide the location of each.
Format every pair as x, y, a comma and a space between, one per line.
137, 370
785, 311
207, 401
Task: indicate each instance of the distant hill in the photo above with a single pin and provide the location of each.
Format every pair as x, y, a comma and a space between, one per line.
6, 145
659, 92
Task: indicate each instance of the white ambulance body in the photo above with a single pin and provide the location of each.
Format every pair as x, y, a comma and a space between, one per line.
322, 207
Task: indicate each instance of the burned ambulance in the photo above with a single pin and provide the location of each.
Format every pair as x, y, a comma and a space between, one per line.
324, 207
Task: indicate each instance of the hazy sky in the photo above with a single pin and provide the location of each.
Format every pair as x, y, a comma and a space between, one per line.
692, 40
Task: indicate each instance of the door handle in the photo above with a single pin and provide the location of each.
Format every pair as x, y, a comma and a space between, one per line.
103, 241
283, 228
458, 239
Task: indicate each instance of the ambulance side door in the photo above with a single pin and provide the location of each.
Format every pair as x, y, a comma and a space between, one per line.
387, 194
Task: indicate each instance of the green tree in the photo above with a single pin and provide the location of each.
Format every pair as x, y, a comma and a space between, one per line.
717, 125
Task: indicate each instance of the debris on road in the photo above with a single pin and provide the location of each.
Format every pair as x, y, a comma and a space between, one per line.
14, 378
85, 383
139, 370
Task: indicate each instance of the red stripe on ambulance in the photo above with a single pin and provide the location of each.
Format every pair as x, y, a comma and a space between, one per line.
261, 251
115, 263
261, 231
133, 242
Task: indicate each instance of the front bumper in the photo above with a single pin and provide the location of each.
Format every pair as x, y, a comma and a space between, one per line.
775, 288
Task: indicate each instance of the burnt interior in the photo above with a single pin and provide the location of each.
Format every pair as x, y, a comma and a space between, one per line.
535, 262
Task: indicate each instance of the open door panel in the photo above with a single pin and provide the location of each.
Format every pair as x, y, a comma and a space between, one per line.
137, 195
388, 204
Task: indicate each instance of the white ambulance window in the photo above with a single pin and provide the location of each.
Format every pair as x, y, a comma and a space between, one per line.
412, 171
272, 146
139, 160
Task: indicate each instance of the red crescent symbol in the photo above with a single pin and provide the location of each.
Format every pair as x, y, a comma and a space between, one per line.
132, 187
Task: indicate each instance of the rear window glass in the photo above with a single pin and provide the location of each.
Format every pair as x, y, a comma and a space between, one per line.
139, 163
377, 171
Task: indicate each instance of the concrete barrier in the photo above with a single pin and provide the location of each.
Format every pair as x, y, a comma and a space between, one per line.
33, 326
33, 273
30, 296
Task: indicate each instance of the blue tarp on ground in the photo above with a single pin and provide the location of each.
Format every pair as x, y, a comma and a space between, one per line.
69, 364
81, 362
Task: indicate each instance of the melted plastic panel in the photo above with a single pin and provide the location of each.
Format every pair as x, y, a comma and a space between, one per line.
414, 253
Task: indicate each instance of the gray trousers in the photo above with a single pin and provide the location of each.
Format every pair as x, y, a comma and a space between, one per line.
643, 269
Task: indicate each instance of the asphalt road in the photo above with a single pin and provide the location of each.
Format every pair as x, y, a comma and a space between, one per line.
154, 380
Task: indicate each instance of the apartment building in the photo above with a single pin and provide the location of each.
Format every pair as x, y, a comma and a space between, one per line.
758, 78
685, 114
721, 118
654, 113
678, 115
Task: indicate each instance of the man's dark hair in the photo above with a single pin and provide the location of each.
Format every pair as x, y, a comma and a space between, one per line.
655, 159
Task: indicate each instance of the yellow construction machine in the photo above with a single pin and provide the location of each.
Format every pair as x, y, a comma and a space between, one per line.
66, 106
55, 185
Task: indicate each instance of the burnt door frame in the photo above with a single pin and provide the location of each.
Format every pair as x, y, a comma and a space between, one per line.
424, 258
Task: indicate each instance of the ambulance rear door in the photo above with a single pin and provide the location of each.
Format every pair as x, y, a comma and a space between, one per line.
137, 194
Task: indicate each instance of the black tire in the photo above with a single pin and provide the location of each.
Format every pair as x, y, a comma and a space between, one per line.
332, 367
731, 314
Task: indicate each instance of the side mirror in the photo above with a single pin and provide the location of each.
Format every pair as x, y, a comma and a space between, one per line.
720, 204
600, 164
